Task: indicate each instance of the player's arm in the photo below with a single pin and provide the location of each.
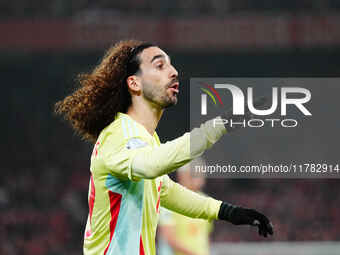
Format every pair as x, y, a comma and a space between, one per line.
153, 162
179, 199
146, 162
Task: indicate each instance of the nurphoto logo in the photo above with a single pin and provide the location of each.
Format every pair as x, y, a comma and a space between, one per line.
295, 96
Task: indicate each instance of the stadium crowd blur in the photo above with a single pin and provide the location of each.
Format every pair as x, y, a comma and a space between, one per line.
43, 185
65, 8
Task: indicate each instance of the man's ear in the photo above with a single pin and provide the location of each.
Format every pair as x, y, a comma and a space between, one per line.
134, 84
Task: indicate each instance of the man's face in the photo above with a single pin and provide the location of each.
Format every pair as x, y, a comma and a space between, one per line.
159, 79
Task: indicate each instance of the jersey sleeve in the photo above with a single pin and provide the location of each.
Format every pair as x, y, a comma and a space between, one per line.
117, 153
136, 159
153, 162
179, 199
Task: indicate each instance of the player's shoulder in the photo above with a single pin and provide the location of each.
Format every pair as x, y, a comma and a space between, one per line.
125, 131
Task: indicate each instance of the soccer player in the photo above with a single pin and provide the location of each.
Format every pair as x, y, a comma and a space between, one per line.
181, 235
118, 106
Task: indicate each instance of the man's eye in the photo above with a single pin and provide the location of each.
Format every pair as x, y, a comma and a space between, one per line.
160, 66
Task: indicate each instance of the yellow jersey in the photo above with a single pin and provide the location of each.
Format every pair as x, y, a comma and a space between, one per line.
129, 183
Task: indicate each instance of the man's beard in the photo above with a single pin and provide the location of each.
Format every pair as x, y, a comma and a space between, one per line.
159, 96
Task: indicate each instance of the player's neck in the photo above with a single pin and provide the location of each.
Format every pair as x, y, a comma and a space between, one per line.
146, 114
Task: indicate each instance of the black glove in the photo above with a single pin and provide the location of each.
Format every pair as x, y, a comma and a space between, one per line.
228, 115
243, 216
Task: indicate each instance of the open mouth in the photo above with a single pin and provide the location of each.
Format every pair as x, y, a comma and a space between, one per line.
174, 87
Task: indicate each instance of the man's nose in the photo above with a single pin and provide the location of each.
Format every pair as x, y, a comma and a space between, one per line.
173, 72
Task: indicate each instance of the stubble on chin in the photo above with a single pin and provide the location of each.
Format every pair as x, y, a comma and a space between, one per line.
163, 101
170, 101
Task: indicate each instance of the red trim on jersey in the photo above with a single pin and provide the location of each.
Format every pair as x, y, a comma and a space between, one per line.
141, 247
160, 186
115, 200
91, 204
92, 197
95, 150
159, 196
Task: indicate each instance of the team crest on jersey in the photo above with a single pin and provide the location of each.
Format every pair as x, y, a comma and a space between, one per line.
135, 143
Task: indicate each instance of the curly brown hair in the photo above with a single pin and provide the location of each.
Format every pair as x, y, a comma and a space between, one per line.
103, 92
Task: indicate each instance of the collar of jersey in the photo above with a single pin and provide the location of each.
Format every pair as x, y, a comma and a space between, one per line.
123, 115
